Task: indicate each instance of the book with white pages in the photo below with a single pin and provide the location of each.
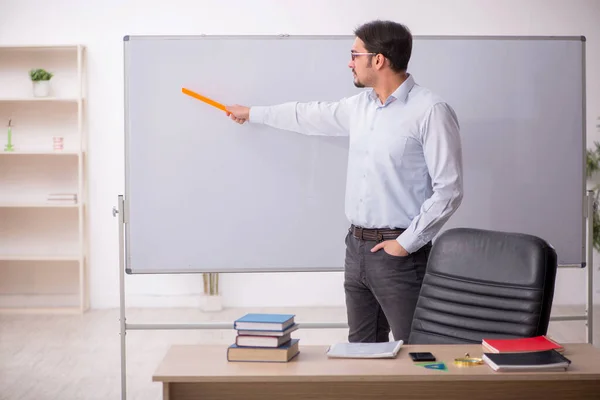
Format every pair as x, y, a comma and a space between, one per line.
261, 340
365, 350
244, 332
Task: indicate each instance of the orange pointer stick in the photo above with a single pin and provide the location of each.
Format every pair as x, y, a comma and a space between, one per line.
205, 99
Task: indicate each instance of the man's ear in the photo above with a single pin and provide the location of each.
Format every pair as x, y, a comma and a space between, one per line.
379, 61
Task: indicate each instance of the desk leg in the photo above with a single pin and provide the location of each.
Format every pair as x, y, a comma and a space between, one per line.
166, 390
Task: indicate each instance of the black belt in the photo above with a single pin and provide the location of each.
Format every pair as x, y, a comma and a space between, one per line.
377, 235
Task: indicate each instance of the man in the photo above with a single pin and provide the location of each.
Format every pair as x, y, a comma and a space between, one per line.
404, 176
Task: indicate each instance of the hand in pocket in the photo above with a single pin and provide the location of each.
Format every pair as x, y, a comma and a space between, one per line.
392, 247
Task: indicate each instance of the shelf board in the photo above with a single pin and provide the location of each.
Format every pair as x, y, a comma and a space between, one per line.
38, 205
40, 99
42, 47
40, 152
53, 310
23, 257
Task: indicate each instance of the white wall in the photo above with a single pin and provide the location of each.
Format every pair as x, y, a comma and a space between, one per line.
101, 25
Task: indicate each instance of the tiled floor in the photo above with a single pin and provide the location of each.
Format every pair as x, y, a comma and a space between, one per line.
78, 357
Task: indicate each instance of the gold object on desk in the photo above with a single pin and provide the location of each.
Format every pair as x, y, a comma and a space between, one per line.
468, 361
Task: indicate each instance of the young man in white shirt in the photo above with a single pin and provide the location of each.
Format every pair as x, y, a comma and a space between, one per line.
404, 176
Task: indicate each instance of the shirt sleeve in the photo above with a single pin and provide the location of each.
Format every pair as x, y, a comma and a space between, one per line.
443, 154
310, 118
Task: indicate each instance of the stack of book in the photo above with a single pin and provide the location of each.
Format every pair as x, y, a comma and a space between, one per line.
538, 353
264, 338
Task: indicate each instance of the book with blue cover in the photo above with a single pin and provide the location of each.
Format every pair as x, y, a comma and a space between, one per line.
264, 322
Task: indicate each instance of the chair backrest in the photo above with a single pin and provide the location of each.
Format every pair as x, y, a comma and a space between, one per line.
485, 284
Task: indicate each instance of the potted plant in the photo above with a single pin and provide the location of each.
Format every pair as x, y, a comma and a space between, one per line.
212, 297
592, 168
41, 82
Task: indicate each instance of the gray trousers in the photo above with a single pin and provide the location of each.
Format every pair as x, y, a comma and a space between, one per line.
381, 290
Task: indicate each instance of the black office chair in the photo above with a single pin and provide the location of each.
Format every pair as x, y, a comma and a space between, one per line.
485, 284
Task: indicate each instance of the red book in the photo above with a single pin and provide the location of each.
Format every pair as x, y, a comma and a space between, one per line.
521, 345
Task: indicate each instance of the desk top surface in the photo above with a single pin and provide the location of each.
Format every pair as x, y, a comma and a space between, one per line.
208, 363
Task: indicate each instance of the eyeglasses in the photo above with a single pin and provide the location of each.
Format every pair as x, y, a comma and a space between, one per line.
353, 54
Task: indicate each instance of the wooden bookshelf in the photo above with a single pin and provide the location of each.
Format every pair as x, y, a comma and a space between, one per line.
43, 242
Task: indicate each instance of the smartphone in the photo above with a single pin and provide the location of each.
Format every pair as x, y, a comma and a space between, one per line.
422, 356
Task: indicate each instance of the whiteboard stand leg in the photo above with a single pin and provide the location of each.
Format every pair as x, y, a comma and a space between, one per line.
591, 209
122, 320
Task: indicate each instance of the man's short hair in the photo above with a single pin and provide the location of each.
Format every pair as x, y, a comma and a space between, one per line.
391, 39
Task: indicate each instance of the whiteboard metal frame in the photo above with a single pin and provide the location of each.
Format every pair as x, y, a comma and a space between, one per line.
121, 210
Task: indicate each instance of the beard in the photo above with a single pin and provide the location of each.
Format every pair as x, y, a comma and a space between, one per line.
357, 83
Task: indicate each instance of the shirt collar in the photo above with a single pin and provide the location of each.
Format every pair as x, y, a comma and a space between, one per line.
399, 94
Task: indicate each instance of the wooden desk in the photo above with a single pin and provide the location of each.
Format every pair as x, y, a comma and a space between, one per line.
202, 372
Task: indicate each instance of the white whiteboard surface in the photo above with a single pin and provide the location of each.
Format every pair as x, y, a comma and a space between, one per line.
204, 194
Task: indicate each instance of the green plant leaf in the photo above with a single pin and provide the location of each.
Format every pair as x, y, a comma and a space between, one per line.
593, 166
40, 74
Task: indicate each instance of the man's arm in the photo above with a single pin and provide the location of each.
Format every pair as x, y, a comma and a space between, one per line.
443, 155
311, 118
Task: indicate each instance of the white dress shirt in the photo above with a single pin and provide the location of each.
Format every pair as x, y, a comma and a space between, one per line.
404, 161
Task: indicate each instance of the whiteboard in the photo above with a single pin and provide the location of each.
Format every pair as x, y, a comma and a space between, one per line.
204, 194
